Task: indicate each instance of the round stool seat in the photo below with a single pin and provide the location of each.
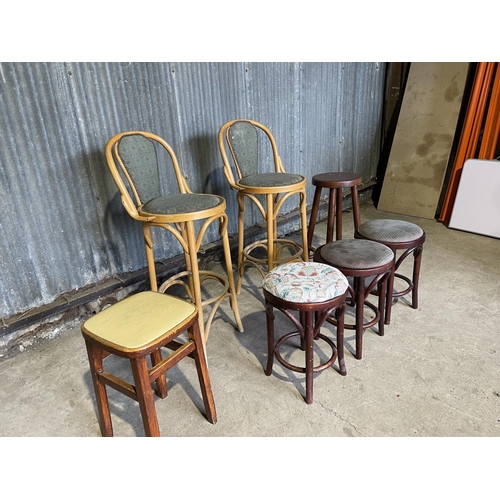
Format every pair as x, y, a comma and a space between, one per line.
403, 236
336, 180
356, 254
359, 260
390, 231
305, 282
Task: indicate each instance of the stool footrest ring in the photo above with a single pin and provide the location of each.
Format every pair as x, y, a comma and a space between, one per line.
301, 369
366, 325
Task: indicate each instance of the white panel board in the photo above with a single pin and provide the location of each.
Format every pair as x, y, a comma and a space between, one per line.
477, 204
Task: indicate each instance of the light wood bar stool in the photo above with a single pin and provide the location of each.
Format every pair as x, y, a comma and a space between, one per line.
134, 159
335, 182
134, 328
256, 173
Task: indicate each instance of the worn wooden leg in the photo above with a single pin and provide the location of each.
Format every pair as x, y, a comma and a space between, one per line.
339, 316
389, 293
359, 287
145, 396
381, 302
302, 334
271, 224
270, 338
314, 215
338, 215
150, 258
417, 255
241, 240
229, 271
303, 228
355, 206
331, 215
161, 381
309, 341
203, 377
95, 355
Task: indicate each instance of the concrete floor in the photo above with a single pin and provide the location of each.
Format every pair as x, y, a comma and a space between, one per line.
434, 373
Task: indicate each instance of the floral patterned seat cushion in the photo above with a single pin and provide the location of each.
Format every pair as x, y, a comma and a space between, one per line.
305, 282
390, 231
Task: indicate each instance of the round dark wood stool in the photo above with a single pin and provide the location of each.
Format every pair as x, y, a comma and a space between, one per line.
360, 259
397, 235
335, 182
316, 291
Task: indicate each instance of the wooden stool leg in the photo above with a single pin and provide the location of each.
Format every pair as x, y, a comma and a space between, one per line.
339, 316
270, 338
145, 396
390, 290
95, 361
303, 226
241, 240
203, 377
308, 334
381, 303
417, 254
271, 224
229, 271
359, 287
314, 215
331, 215
355, 206
338, 214
303, 339
161, 381
150, 258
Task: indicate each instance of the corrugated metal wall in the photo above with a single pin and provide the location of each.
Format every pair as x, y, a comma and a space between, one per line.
63, 226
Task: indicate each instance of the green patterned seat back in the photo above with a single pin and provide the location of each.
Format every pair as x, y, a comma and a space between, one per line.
138, 154
243, 140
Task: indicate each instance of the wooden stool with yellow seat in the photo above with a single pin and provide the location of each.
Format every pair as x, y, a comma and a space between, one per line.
138, 326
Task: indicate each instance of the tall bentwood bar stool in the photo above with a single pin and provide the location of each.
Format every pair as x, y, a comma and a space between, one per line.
256, 173
134, 161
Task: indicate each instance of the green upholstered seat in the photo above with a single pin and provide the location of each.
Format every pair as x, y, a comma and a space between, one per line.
391, 231
356, 254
